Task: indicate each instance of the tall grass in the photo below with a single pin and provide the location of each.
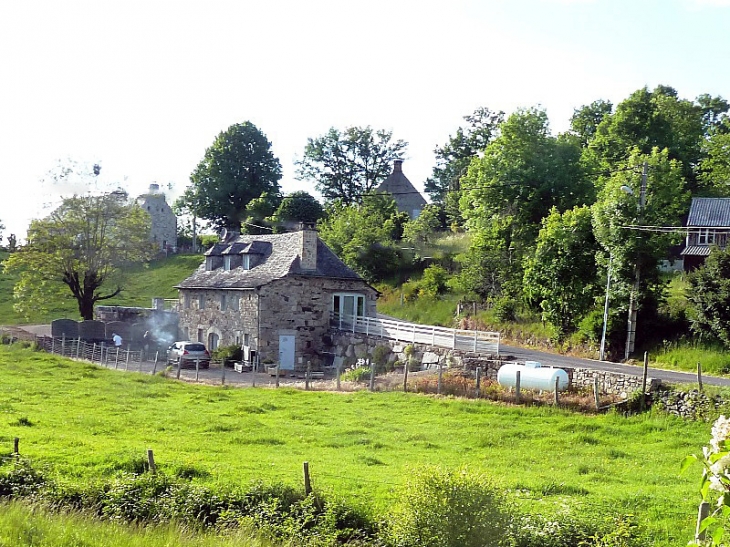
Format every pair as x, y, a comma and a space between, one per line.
27, 526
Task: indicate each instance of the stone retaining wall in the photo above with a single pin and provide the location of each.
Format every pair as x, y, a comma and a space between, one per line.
352, 346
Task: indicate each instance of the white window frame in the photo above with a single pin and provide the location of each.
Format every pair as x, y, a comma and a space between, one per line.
224, 302
339, 305
706, 236
246, 262
227, 263
201, 301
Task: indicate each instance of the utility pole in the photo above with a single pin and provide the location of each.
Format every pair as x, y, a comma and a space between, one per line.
633, 301
605, 311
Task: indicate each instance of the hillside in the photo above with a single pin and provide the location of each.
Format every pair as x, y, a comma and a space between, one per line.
156, 279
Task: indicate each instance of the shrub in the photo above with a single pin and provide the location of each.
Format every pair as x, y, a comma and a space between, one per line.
228, 353
20, 479
505, 309
433, 282
447, 508
356, 373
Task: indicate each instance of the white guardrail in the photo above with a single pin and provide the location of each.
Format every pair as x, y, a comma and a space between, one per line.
466, 340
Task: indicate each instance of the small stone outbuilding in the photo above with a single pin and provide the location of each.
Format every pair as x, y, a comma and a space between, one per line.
272, 294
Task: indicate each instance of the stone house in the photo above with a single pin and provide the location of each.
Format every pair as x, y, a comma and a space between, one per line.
708, 226
273, 294
164, 221
407, 198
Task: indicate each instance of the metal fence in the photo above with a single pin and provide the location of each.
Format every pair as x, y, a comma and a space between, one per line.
466, 340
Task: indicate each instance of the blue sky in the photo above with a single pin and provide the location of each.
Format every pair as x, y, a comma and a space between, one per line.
145, 86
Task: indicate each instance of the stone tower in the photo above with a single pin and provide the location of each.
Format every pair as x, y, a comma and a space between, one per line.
164, 221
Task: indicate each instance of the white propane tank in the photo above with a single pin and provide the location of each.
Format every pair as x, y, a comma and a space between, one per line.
533, 377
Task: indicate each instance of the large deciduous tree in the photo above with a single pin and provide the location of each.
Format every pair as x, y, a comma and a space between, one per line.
635, 237
236, 169
561, 275
453, 158
82, 247
345, 165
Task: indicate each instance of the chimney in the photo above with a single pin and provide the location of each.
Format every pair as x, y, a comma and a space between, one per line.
398, 166
308, 251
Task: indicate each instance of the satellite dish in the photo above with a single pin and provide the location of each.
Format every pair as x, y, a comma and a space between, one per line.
223, 234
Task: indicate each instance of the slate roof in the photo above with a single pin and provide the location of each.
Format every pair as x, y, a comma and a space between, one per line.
280, 258
407, 198
709, 212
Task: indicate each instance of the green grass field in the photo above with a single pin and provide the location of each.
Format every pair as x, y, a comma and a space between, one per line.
85, 424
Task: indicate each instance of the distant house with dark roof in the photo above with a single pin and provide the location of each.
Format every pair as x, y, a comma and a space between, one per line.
273, 294
708, 226
407, 198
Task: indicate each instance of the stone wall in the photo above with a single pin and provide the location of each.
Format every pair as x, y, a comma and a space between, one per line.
692, 405
351, 346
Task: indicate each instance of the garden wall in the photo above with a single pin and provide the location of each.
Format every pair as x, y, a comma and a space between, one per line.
350, 347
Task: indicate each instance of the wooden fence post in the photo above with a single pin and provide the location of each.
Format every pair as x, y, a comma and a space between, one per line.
479, 382
699, 375
595, 393
557, 385
93, 352
441, 373
78, 346
372, 375
223, 373
702, 514
53, 345
277, 374
307, 482
197, 368
518, 394
338, 372
16, 445
644, 377
151, 461
308, 375
116, 361
405, 375
178, 368
154, 367
126, 361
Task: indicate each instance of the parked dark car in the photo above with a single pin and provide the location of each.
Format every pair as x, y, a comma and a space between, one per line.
187, 353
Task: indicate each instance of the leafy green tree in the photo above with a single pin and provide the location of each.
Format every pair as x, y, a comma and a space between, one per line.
656, 119
586, 119
421, 230
490, 267
715, 167
83, 247
616, 212
345, 165
561, 275
295, 208
708, 294
366, 236
258, 211
453, 158
237, 168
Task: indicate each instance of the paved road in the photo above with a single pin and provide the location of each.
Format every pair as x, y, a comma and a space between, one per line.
551, 359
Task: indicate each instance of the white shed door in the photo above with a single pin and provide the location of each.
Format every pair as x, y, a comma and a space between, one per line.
286, 351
